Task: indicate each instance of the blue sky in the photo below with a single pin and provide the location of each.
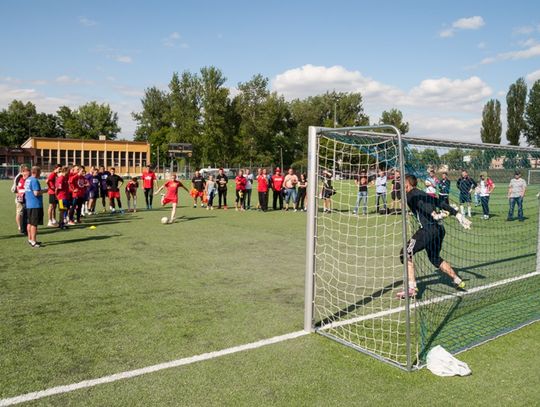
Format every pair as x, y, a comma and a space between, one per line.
437, 62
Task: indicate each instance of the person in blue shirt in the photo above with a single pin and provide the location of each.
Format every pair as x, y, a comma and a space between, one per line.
34, 205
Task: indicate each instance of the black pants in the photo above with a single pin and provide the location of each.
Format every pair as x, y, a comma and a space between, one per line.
222, 194
443, 198
103, 194
247, 199
76, 208
119, 203
149, 196
301, 198
277, 195
429, 239
263, 200
484, 200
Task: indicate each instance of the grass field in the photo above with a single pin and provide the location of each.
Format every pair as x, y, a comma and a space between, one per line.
133, 293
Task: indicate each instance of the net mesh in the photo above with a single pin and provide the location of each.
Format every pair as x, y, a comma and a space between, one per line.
358, 271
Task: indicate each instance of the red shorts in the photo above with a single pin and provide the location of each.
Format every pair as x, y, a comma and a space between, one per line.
196, 194
169, 199
114, 194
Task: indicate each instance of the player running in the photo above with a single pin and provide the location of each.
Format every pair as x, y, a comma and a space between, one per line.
431, 234
172, 194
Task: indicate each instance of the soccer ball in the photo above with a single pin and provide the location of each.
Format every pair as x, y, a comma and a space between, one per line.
164, 220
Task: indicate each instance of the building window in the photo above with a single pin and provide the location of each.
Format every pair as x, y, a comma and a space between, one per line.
123, 158
109, 159
101, 159
54, 156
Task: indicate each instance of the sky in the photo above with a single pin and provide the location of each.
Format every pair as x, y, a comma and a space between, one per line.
438, 62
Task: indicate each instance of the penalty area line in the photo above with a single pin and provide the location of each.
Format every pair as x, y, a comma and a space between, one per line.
149, 369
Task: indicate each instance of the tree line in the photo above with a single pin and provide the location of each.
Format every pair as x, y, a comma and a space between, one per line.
522, 116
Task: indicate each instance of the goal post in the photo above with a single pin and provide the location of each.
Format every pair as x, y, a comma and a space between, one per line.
358, 226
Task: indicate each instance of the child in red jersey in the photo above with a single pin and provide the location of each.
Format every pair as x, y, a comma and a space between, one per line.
62, 194
131, 192
53, 201
240, 182
78, 184
172, 194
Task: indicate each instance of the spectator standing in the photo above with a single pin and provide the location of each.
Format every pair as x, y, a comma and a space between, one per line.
34, 205
465, 186
277, 189
51, 212
210, 190
198, 185
485, 187
396, 192
222, 181
302, 193
380, 191
249, 187
327, 191
262, 189
20, 207
516, 193
240, 182
131, 193
290, 181
114, 182
444, 188
362, 196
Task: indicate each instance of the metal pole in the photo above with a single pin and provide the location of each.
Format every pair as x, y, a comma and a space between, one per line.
401, 156
281, 152
158, 158
311, 229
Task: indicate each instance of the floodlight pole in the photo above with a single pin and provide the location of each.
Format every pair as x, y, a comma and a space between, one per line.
311, 228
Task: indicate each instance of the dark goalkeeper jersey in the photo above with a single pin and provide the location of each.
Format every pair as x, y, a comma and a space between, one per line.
423, 205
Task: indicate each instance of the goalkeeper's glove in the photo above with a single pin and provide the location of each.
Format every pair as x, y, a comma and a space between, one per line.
439, 215
463, 221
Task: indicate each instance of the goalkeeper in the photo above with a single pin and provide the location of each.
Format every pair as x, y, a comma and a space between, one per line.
430, 236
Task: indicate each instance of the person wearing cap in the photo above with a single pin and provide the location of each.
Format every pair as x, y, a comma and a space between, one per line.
327, 191
516, 192
485, 188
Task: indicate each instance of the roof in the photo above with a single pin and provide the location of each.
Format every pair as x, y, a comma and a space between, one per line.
29, 143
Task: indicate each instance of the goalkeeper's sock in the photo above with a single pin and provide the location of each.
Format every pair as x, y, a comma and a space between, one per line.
457, 281
469, 212
412, 284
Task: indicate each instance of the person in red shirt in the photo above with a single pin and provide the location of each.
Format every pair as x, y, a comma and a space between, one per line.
262, 189
172, 194
240, 182
131, 192
52, 196
18, 188
149, 182
277, 188
62, 194
78, 184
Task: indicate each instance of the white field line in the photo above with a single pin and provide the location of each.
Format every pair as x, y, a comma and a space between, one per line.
429, 302
149, 369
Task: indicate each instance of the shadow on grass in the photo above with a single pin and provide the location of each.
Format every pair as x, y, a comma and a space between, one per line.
78, 240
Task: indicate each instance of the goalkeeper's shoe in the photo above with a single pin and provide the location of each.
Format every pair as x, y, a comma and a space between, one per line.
461, 286
412, 293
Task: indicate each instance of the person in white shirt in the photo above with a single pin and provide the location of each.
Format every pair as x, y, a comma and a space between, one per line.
380, 191
516, 192
249, 188
485, 188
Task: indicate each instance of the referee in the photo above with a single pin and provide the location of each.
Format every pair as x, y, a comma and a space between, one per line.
431, 234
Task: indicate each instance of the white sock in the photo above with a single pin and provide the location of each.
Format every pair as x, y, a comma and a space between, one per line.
462, 209
457, 280
469, 212
412, 284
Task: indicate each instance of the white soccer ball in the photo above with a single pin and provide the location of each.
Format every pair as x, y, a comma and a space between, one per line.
164, 220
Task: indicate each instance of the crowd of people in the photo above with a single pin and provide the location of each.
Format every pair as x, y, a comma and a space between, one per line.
469, 191
73, 193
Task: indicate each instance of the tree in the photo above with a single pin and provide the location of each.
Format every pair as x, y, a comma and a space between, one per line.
215, 142
515, 102
532, 116
17, 123
89, 121
453, 158
394, 117
491, 122
155, 115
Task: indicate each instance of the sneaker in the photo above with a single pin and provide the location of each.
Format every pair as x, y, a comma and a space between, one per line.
71, 223
412, 293
51, 224
354, 212
460, 286
296, 210
195, 205
36, 244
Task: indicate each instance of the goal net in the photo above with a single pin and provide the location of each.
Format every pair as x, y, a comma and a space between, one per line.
358, 226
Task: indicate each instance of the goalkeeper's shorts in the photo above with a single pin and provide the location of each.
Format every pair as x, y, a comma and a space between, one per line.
429, 239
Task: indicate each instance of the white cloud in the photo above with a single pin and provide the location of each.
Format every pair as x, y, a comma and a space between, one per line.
466, 23
125, 59
86, 22
525, 30
470, 23
533, 76
68, 80
530, 52
311, 80
444, 127
174, 40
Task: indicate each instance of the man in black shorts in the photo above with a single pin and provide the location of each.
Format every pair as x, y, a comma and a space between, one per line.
396, 193
431, 234
465, 185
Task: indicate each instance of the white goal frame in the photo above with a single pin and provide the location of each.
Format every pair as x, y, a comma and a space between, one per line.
529, 175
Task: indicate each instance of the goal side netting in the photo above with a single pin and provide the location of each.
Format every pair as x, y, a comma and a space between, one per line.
359, 227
